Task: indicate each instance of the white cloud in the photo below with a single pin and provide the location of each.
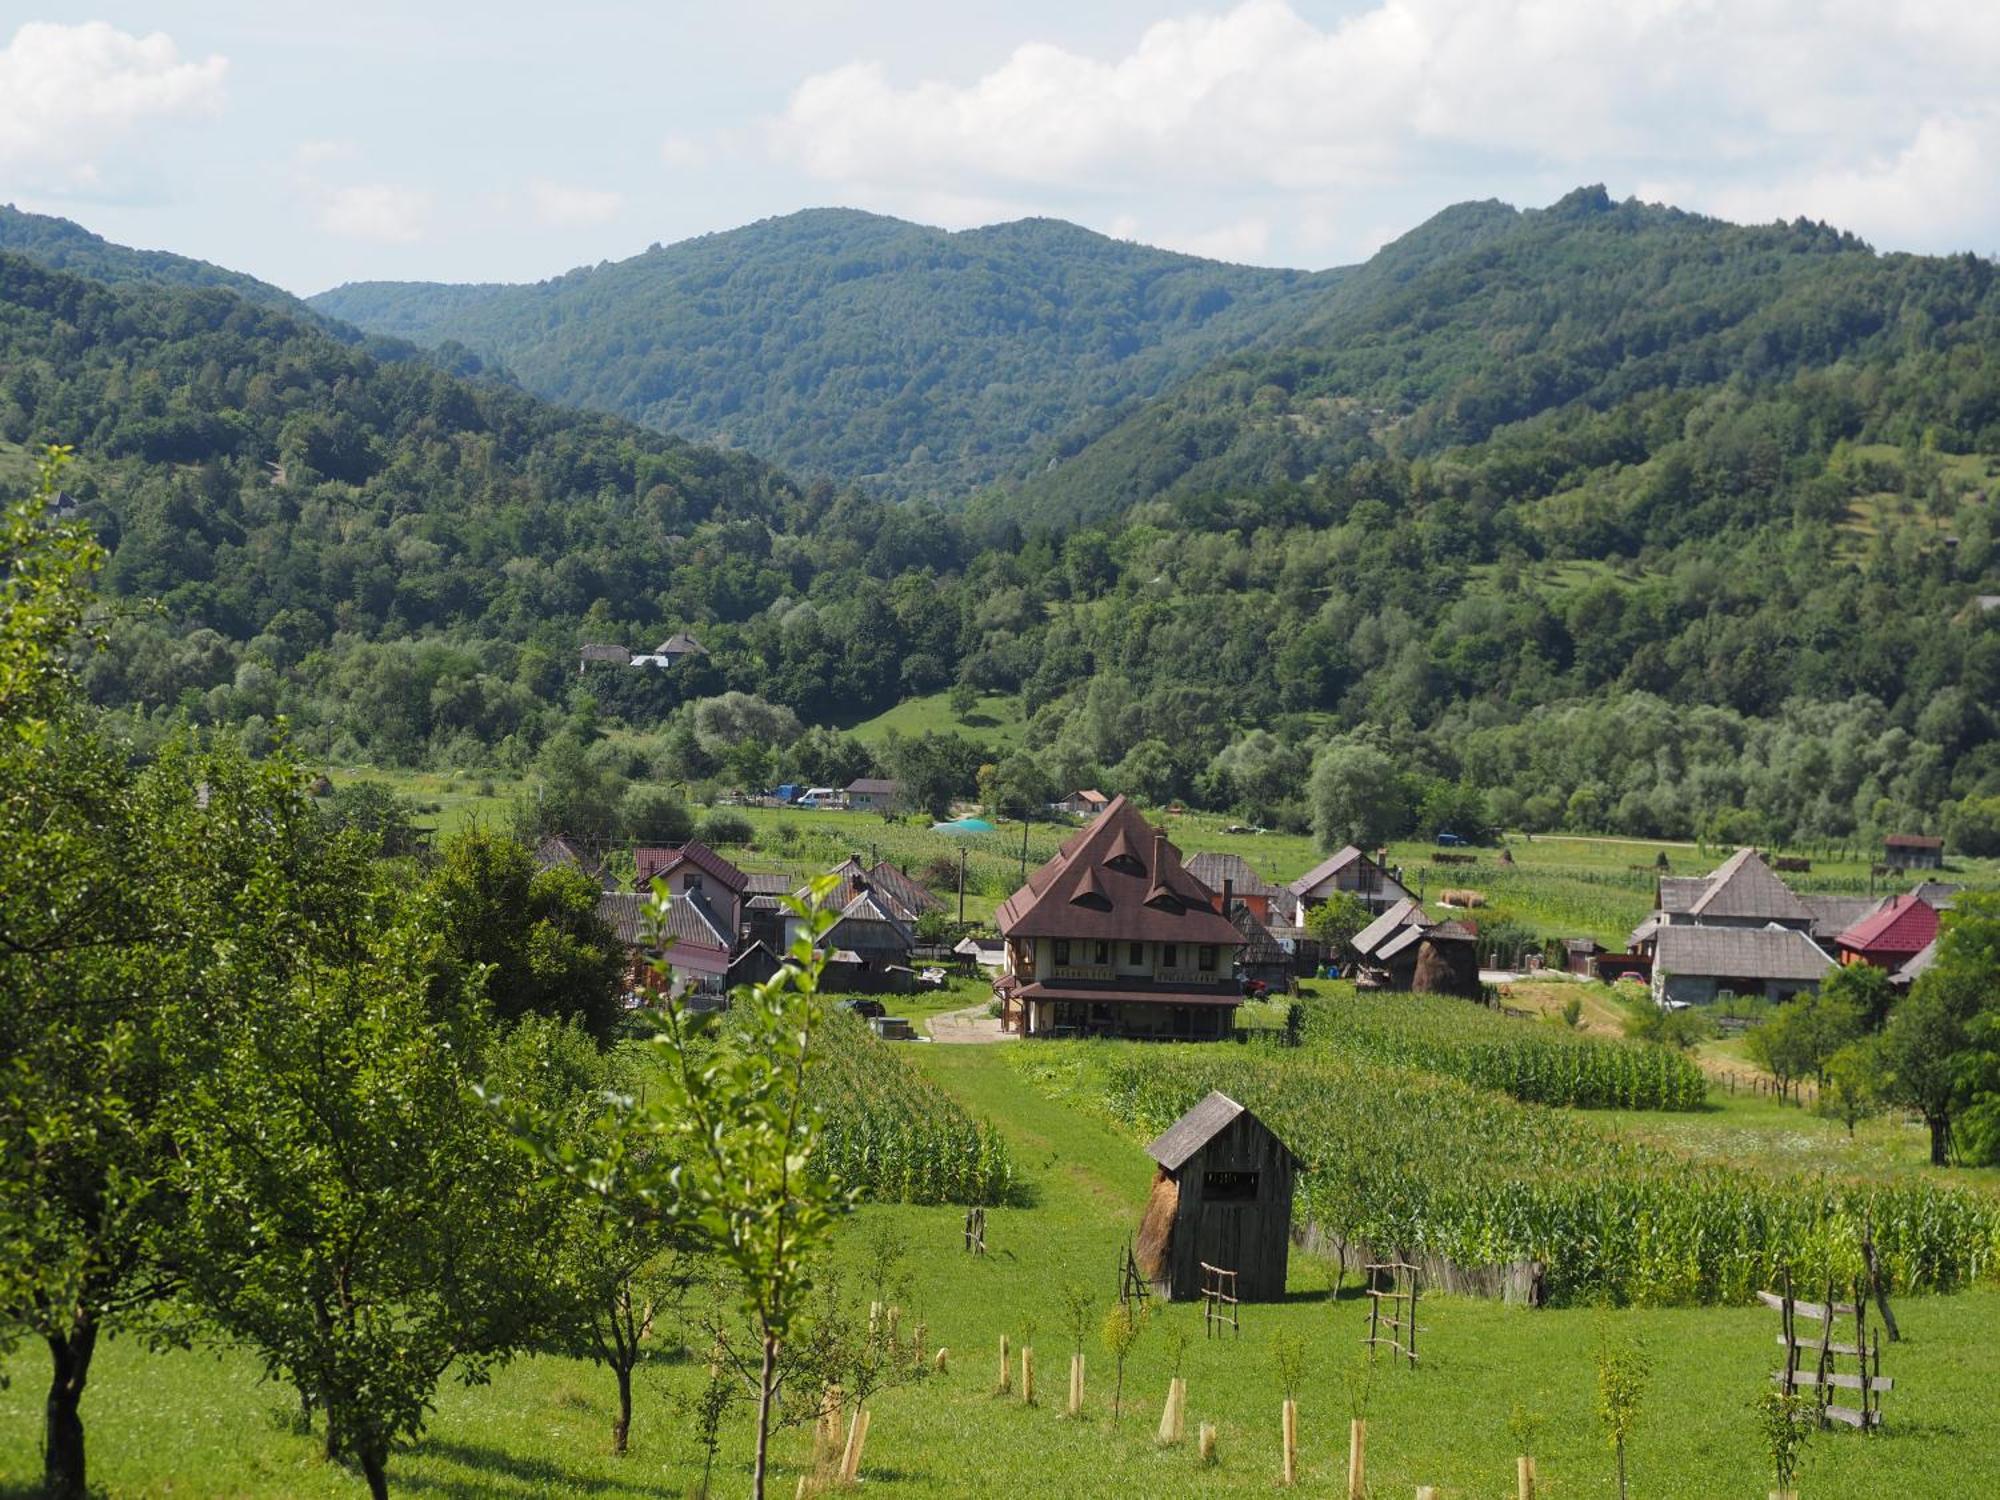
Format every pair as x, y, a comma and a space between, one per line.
1829, 108
383, 212
68, 94
682, 151
561, 205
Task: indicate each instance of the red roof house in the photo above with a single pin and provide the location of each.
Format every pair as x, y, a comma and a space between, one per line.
1901, 929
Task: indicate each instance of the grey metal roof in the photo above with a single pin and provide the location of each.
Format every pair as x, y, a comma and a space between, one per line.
1193, 1130
1921, 960
1333, 864
1739, 953
1936, 894
1399, 940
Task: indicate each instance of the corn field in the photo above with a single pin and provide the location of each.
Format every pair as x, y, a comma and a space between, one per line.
1535, 1061
1410, 1163
894, 1134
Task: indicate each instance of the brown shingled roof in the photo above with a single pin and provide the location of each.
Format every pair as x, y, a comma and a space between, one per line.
1118, 879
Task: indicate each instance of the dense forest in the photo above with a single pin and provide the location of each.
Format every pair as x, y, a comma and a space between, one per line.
1601, 517
859, 347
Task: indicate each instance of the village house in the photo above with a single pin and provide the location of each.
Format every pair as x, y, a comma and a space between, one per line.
1889, 938
987, 953
1913, 851
1743, 891
873, 794
674, 650
1262, 959
870, 944
1352, 871
1113, 937
706, 914
602, 655
555, 851
1082, 804
1696, 965
699, 946
1233, 873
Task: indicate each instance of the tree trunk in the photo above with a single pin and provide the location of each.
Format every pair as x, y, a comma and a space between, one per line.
62, 1443
766, 1390
375, 1468
1940, 1139
622, 1428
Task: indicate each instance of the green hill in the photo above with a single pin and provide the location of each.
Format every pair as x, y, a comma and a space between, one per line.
859, 347
1485, 318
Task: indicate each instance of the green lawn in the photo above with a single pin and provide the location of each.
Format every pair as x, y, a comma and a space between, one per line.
201, 1423
995, 720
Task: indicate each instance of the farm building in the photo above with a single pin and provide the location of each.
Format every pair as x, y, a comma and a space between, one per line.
1910, 972
1580, 956
1742, 892
1222, 1196
987, 953
555, 851
1088, 803
1113, 937
1694, 965
604, 655
1262, 959
1368, 942
1234, 880
675, 649
1891, 937
873, 794
1913, 851
1440, 959
1352, 871
700, 945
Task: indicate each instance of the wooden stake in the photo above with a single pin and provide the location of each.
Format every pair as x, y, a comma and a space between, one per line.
1174, 1414
827, 1435
1427, 1492
1288, 1427
943, 1360
1076, 1384
857, 1434
1524, 1477
1207, 1442
874, 1318
1006, 1368
1027, 1376
1357, 1459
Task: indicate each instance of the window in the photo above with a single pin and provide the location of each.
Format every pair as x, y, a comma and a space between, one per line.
1135, 954
1207, 956
1170, 954
1062, 950
693, 882
1102, 954
1229, 1187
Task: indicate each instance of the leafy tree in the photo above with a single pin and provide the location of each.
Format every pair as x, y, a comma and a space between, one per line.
1018, 787
530, 940
1622, 1373
1921, 1062
1964, 981
377, 811
570, 792
1335, 921
1356, 794
1852, 1078
1863, 990
375, 1229
723, 829
964, 699
1123, 1323
655, 815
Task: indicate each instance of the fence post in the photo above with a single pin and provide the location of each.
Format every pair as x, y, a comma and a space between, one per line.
1357, 1459
1006, 1368
1288, 1432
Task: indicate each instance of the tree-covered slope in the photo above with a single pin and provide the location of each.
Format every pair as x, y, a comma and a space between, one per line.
1487, 317
861, 347
65, 246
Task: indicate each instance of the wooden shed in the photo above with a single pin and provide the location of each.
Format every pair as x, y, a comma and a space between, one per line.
1223, 1195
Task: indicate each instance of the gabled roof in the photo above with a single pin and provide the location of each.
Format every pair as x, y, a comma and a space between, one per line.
1259, 947
911, 899
777, 884
1405, 913
1739, 953
1903, 925
1678, 893
1938, 893
1833, 915
1332, 865
1195, 1129
680, 643
598, 651
554, 851
691, 921
1912, 841
1921, 960
867, 921
1212, 870
1118, 879
875, 786
658, 863
1743, 886
1089, 794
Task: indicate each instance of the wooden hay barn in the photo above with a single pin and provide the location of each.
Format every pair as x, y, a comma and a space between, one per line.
1223, 1195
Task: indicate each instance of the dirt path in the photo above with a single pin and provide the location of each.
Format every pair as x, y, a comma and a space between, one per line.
971, 1026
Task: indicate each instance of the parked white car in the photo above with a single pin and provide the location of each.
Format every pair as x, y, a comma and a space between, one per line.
819, 796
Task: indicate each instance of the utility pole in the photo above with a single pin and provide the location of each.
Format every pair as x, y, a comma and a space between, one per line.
1024, 848
961, 885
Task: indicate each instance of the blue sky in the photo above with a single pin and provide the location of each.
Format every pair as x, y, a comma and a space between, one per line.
317, 144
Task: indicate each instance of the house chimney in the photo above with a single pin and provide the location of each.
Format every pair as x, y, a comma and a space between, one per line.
1159, 855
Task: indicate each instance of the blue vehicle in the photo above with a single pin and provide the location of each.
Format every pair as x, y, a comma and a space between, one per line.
1449, 840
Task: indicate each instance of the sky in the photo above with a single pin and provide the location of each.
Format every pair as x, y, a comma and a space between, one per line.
312, 144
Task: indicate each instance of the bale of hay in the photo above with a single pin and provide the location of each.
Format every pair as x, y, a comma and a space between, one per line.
1156, 1228
1461, 898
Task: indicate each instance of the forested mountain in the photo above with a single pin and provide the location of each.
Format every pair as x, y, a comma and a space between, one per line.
65, 246
859, 347
1605, 517
1487, 317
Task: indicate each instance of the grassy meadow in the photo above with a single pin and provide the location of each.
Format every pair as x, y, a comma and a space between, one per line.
201, 1422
